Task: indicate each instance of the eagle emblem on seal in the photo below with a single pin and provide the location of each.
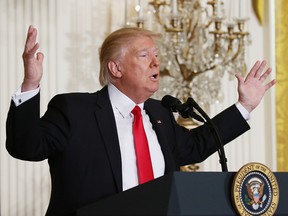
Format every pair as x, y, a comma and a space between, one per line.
255, 196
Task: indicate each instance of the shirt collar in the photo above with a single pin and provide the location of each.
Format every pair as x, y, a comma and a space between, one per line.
121, 102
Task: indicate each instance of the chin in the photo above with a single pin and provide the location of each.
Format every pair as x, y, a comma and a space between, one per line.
154, 90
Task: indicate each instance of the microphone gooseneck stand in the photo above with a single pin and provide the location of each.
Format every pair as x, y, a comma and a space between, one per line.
221, 152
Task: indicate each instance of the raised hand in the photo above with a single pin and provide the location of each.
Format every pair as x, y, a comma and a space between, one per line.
33, 68
252, 89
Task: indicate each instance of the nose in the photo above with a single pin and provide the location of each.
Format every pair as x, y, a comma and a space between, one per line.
155, 61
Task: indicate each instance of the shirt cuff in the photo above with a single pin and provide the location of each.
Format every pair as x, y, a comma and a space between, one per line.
243, 111
20, 97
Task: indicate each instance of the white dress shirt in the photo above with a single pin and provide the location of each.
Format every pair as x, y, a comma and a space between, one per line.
20, 97
122, 107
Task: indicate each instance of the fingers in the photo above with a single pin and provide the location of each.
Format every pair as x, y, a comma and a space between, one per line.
259, 70
253, 70
265, 75
270, 84
263, 78
30, 31
31, 37
30, 45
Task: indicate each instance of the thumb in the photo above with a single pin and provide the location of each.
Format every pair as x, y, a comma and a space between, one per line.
40, 57
239, 79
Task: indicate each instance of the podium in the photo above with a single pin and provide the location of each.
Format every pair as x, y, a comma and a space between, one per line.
180, 193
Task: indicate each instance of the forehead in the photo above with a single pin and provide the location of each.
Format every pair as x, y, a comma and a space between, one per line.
142, 43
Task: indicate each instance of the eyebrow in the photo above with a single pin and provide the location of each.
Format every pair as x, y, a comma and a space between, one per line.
147, 49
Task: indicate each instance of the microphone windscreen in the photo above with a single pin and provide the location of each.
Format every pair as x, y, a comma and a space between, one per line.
170, 102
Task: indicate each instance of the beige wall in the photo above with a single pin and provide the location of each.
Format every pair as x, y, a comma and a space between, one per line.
70, 32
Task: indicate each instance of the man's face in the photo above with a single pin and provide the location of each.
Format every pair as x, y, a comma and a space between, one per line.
140, 69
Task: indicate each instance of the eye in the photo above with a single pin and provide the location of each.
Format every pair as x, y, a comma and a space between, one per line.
143, 54
156, 53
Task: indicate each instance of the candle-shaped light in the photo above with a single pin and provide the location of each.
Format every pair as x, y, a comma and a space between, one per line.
240, 9
230, 12
202, 3
140, 12
174, 8
218, 5
125, 13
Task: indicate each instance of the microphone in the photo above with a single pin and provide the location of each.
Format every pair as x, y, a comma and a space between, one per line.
185, 109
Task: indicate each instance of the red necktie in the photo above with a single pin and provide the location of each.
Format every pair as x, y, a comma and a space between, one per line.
145, 171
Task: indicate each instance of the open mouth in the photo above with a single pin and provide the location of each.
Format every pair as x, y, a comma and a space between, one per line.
154, 76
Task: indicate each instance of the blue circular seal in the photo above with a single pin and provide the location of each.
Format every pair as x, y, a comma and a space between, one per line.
255, 190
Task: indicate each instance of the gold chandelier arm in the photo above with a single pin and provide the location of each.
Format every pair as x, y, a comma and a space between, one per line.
199, 46
156, 5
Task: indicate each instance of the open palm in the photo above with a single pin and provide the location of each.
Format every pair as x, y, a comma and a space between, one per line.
252, 89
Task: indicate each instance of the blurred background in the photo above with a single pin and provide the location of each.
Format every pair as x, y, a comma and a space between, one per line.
70, 32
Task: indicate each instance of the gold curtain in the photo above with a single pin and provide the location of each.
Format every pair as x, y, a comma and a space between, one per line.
258, 7
281, 24
281, 46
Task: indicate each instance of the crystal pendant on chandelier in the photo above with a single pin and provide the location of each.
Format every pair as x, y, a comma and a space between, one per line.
200, 44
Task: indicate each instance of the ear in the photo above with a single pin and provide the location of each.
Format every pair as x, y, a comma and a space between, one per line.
114, 69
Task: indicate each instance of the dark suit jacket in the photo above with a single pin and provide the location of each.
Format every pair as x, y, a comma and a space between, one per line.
78, 136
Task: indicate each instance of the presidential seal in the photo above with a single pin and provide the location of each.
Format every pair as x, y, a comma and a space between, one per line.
255, 190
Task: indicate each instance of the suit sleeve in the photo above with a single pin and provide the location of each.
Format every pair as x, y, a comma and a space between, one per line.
29, 137
196, 145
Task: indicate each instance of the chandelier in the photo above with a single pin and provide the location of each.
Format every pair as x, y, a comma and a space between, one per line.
201, 42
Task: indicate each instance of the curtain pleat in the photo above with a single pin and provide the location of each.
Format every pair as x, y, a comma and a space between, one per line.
281, 21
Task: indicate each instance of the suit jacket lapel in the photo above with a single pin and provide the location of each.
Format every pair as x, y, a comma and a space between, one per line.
107, 126
158, 121
106, 123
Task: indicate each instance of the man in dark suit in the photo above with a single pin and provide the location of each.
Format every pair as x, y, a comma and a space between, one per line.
87, 137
